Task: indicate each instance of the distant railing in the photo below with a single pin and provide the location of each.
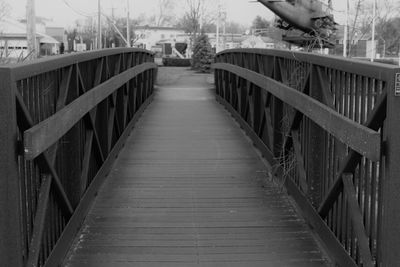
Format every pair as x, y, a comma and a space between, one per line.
63, 121
330, 127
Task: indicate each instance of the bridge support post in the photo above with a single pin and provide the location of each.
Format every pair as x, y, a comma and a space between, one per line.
10, 211
390, 191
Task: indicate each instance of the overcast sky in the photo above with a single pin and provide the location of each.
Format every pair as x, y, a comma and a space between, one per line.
65, 12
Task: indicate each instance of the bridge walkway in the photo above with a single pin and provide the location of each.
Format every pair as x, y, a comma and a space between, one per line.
188, 189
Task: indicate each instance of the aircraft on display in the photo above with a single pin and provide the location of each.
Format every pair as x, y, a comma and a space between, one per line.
304, 22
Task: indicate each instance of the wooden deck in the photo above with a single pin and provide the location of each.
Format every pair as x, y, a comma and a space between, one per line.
189, 189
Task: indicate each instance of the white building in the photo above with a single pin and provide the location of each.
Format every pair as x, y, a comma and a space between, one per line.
148, 36
226, 41
13, 41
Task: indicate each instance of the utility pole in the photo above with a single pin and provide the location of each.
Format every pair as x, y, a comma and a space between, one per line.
128, 34
218, 22
373, 32
201, 17
346, 30
99, 46
31, 29
224, 28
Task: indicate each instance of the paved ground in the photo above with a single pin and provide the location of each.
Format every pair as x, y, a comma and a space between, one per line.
190, 190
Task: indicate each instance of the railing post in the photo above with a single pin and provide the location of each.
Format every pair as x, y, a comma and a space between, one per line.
390, 190
316, 145
10, 225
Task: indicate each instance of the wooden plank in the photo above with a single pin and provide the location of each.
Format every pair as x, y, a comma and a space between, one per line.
43, 135
362, 139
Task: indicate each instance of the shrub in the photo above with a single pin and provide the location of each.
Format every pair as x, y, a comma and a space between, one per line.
176, 62
203, 55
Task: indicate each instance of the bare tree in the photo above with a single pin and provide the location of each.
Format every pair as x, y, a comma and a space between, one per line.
190, 21
197, 14
4, 9
361, 18
164, 15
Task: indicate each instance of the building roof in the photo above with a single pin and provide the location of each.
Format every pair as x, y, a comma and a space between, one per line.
263, 39
229, 37
14, 29
147, 27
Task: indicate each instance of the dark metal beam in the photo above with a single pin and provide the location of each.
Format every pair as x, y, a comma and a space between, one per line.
41, 136
360, 138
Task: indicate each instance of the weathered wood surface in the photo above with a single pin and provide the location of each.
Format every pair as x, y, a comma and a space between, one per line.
188, 189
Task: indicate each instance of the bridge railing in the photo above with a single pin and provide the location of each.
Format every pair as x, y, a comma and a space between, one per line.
63, 121
330, 127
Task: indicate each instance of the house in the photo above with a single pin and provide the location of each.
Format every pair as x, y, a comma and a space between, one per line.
360, 44
13, 41
57, 33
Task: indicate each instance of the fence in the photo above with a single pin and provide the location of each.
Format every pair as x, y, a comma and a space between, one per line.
63, 121
330, 128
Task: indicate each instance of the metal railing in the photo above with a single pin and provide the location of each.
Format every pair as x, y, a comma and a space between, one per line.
63, 121
330, 128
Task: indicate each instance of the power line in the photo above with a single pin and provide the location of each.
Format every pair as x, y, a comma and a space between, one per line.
76, 10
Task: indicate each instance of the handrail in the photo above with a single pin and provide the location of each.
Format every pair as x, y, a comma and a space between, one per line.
362, 139
25, 69
64, 119
371, 69
40, 137
329, 127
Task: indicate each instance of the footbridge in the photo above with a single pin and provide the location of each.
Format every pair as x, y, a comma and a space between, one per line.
280, 158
